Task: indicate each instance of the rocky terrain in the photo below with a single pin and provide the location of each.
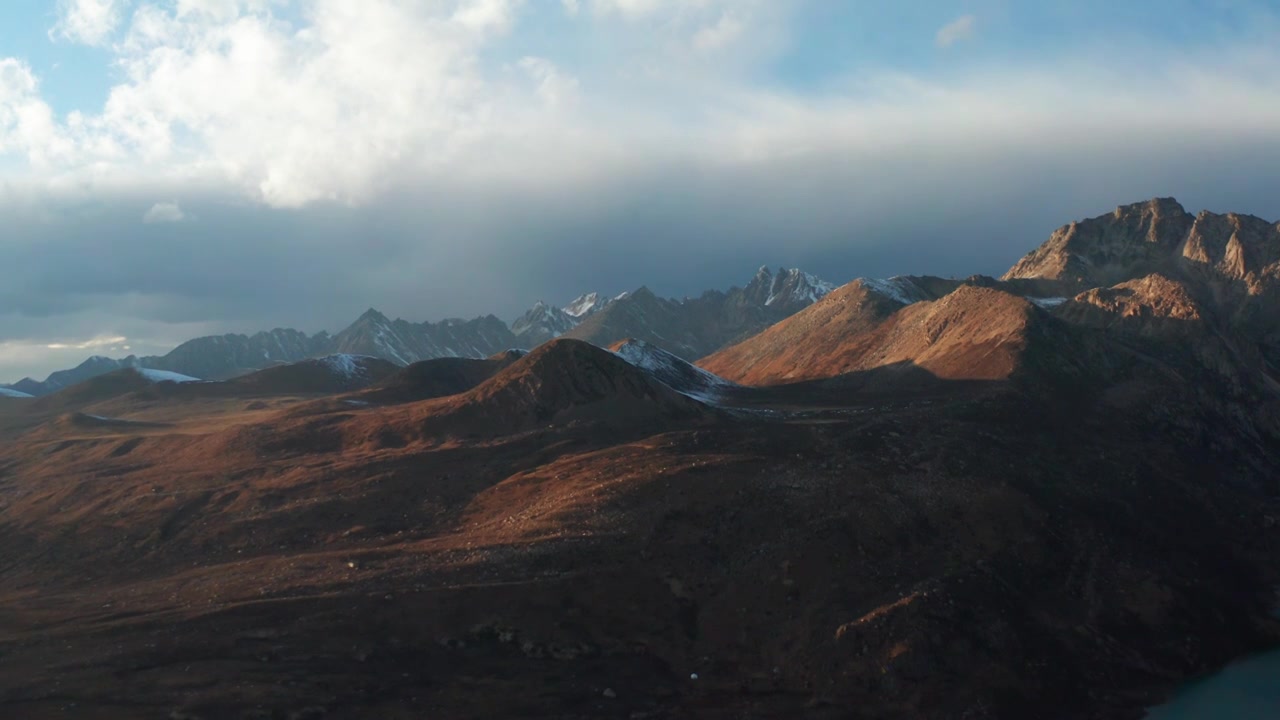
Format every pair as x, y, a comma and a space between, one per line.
1051, 495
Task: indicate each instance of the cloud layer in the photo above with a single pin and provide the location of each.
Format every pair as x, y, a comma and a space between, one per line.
470, 156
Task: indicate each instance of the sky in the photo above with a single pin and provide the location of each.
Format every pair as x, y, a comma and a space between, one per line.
177, 168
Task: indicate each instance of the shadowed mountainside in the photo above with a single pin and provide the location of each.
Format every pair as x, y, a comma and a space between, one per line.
439, 377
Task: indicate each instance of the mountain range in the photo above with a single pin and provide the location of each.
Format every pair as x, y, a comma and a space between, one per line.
690, 328
1049, 494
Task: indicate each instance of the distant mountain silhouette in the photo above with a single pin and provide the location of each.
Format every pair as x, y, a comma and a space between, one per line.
707, 322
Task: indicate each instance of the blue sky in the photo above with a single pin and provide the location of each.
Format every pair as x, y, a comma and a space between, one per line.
170, 168
73, 76
825, 40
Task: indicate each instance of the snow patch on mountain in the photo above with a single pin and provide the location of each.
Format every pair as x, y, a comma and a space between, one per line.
346, 365
899, 289
1047, 302
158, 376
789, 288
6, 392
104, 421
682, 376
585, 305
544, 321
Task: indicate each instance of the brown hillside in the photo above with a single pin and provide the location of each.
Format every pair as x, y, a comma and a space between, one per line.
903, 560
974, 333
560, 382
805, 345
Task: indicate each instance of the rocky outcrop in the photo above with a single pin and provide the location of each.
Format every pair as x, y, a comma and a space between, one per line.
1133, 241
1228, 264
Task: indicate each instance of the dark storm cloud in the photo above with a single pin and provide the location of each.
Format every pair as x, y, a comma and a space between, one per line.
441, 248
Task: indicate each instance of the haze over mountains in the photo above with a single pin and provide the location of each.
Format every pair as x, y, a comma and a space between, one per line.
690, 327
1239, 252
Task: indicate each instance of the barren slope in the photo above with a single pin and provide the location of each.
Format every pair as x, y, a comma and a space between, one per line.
806, 345
973, 333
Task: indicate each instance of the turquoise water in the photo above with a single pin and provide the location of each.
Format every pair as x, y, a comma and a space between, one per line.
1247, 690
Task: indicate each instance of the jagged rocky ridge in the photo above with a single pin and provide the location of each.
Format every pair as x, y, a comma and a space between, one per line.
1148, 271
694, 326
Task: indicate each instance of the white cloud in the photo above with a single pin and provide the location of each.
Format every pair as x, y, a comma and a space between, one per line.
962, 28
91, 22
16, 80
631, 8
97, 342
485, 15
295, 115
724, 32
163, 213
553, 85
27, 124
349, 101
672, 11
335, 105
36, 356
570, 7
222, 10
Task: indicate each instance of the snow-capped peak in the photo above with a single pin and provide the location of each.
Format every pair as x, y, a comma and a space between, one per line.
544, 322
793, 286
584, 305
